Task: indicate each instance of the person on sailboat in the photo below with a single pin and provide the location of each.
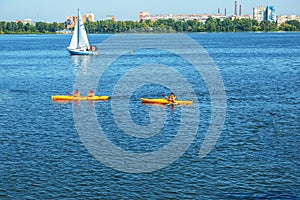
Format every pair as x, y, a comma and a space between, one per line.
93, 48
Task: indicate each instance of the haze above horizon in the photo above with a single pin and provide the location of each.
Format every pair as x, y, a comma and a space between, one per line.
57, 10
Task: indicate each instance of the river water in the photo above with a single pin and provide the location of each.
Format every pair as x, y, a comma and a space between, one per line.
46, 149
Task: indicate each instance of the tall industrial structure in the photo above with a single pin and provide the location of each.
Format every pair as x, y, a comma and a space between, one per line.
235, 8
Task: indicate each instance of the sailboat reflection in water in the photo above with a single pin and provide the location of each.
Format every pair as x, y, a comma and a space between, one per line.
80, 44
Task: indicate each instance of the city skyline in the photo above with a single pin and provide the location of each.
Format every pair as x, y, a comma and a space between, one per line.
57, 10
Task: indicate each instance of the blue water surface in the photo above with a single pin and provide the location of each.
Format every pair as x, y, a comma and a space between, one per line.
256, 156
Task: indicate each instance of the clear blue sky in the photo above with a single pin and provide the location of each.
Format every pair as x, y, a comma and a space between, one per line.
57, 10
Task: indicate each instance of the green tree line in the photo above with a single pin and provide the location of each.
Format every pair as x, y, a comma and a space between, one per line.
170, 25
39, 27
159, 26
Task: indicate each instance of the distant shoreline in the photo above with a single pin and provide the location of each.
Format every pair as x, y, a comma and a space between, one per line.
278, 31
159, 26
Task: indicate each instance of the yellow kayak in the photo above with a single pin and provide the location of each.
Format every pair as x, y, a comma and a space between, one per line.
80, 98
165, 101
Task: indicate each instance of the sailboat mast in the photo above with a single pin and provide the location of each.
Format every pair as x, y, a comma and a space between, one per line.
78, 31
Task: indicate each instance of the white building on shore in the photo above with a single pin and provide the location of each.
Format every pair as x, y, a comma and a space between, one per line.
180, 17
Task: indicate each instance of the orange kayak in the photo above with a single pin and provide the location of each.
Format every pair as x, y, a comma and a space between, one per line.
80, 98
165, 101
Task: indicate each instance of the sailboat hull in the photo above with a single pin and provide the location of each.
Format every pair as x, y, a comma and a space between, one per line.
80, 52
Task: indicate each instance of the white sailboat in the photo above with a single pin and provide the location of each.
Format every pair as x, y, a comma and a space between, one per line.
79, 44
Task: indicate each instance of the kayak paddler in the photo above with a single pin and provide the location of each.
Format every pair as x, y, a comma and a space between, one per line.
172, 97
91, 93
76, 93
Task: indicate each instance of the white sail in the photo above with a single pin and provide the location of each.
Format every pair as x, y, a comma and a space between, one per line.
79, 39
83, 40
73, 44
